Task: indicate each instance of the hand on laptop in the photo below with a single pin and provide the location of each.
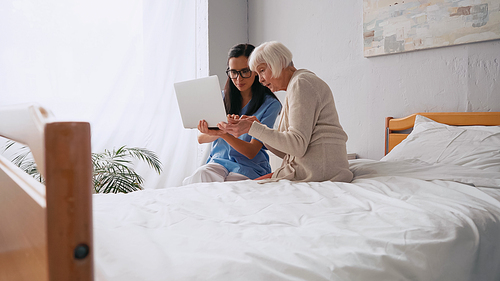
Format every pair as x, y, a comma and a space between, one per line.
237, 125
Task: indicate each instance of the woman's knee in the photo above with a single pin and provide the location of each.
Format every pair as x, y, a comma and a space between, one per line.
210, 172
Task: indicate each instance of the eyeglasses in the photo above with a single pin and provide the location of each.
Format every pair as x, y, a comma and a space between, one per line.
244, 73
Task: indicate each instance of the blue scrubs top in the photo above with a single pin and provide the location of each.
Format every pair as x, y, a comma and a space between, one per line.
224, 154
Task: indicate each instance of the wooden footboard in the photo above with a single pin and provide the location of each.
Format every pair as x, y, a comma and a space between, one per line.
46, 231
23, 237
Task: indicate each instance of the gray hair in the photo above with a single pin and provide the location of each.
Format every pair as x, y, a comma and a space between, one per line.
274, 54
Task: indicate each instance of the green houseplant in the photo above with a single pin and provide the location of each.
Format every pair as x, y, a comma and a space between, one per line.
112, 169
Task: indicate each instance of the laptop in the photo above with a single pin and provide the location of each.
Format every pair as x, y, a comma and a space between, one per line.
200, 99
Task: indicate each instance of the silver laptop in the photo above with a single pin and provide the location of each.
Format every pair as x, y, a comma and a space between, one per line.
200, 99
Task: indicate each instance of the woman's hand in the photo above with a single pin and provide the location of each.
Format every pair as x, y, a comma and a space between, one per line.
203, 128
237, 125
251, 118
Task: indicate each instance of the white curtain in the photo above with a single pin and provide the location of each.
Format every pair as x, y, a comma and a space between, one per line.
111, 63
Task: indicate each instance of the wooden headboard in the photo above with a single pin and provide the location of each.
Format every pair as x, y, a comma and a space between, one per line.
394, 127
46, 230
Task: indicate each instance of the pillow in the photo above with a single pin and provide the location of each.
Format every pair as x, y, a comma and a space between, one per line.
432, 142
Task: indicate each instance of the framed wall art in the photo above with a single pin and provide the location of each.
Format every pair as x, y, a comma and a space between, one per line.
400, 26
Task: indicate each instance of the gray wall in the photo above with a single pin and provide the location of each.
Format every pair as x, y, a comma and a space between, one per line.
325, 36
227, 26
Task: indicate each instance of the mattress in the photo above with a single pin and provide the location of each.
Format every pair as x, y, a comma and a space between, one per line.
395, 221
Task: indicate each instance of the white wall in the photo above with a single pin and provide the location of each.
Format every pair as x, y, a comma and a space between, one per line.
325, 37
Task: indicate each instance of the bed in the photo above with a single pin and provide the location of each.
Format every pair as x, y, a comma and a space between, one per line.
431, 213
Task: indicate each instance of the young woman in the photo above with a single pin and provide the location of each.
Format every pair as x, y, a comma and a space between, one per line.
241, 158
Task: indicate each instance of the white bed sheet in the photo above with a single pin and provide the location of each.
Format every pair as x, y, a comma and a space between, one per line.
395, 221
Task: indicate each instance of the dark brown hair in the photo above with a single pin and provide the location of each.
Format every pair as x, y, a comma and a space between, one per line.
232, 96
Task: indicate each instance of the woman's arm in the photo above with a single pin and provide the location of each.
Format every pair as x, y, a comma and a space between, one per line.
301, 119
204, 138
248, 149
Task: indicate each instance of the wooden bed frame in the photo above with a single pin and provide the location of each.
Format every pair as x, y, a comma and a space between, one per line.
46, 231
395, 127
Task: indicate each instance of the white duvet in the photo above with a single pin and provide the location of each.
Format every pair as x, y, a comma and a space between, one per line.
395, 221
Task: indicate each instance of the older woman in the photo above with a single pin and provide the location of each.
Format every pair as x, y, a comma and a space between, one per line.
309, 137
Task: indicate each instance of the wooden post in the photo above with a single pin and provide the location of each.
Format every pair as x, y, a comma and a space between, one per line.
69, 201
387, 132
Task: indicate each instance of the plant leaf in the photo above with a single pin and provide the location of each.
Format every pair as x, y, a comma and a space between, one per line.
112, 169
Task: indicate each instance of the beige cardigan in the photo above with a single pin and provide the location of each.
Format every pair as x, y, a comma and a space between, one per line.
309, 138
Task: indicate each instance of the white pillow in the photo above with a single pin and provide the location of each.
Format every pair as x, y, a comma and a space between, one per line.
432, 142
